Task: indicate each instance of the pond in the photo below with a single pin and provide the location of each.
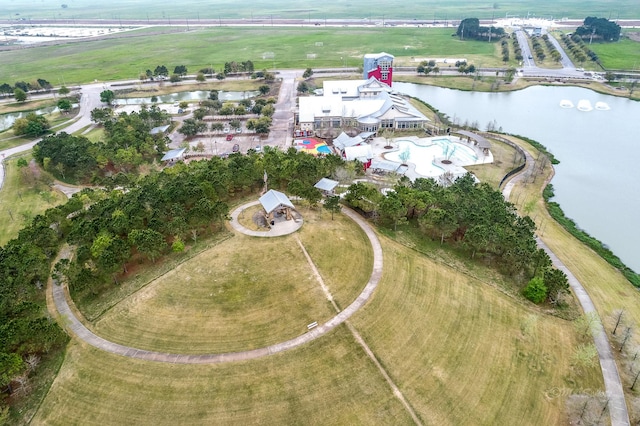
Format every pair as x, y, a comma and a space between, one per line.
593, 135
197, 95
7, 120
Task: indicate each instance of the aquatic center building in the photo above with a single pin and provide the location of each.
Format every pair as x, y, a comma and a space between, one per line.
362, 105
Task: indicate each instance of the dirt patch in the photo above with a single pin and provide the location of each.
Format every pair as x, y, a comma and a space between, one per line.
635, 36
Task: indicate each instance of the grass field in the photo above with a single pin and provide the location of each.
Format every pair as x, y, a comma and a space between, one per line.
461, 351
20, 202
310, 11
245, 293
126, 58
624, 54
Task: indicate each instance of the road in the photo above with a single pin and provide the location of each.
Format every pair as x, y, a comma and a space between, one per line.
89, 100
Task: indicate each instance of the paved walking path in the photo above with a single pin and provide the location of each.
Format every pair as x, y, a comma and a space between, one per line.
73, 324
612, 383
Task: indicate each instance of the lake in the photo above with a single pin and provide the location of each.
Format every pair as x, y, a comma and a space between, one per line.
596, 182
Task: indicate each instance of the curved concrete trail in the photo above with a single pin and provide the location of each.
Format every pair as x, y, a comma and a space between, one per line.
73, 324
612, 383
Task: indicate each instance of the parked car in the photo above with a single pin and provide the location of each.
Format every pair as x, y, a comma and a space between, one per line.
258, 148
236, 148
239, 130
229, 136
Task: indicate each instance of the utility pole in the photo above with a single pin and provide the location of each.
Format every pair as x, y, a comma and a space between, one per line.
491, 27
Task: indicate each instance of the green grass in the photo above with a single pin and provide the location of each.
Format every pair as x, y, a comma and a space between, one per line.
329, 381
341, 252
505, 159
460, 351
21, 199
126, 58
244, 293
306, 10
625, 54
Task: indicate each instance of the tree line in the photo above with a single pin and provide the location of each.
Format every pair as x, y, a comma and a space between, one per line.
109, 230
599, 29
470, 28
473, 218
127, 144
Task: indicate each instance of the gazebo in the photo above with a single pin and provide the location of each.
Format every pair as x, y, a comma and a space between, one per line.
478, 140
174, 155
275, 205
326, 186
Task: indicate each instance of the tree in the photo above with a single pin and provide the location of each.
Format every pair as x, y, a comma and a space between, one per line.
148, 242
181, 70
307, 73
64, 105
213, 95
556, 282
20, 95
175, 78
63, 91
11, 365
391, 208
535, 290
264, 89
161, 71
268, 111
618, 317
191, 127
332, 204
101, 115
107, 97
32, 125
200, 78
303, 87
609, 76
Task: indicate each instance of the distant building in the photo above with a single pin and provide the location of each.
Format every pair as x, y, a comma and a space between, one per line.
379, 66
360, 106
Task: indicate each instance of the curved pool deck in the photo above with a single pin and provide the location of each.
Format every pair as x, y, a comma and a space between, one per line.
426, 155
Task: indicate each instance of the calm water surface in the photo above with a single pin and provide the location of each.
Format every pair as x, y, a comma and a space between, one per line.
597, 180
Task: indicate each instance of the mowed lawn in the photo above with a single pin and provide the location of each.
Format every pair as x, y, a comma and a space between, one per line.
244, 293
460, 350
464, 353
327, 382
342, 253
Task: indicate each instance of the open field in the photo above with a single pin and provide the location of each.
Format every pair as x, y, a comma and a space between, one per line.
329, 381
461, 351
307, 10
20, 202
624, 54
341, 47
244, 293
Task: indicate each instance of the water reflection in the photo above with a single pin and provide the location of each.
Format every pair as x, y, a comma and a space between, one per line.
596, 180
198, 95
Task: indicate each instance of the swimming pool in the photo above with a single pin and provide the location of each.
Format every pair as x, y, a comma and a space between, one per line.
423, 156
